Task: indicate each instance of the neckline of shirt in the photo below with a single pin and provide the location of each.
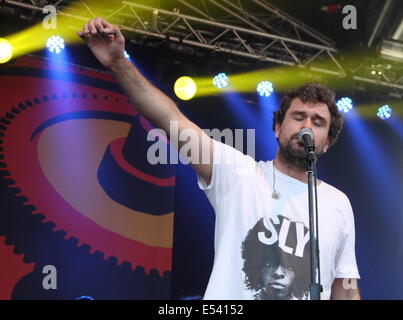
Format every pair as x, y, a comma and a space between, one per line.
291, 179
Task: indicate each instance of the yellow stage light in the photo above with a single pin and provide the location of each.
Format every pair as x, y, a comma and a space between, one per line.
6, 50
185, 88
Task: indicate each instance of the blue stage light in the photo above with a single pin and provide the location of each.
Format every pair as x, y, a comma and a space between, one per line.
55, 44
384, 112
344, 104
84, 298
220, 80
127, 55
264, 88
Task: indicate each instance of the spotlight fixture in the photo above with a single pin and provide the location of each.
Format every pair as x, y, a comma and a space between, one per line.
344, 104
6, 50
185, 88
384, 112
264, 88
55, 44
220, 80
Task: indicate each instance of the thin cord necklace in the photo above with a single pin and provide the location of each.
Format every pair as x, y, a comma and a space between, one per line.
275, 194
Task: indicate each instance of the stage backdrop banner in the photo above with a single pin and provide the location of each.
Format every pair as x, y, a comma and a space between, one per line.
82, 210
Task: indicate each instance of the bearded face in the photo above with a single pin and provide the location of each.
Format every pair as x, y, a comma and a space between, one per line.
313, 115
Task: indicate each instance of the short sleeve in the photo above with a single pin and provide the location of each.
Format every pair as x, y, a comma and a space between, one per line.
229, 167
346, 265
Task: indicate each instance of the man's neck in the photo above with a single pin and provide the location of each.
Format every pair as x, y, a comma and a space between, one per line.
290, 170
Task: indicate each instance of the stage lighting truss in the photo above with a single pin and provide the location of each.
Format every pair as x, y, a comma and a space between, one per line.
253, 29
386, 74
247, 28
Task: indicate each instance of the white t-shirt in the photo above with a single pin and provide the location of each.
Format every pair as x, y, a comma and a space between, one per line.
262, 244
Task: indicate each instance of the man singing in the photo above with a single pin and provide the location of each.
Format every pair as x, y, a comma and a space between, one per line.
262, 221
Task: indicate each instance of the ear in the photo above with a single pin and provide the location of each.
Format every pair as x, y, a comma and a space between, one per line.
277, 130
327, 145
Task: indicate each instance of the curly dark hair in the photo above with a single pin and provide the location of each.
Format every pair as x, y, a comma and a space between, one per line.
312, 92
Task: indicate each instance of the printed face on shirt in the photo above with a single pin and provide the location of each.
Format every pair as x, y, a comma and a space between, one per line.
277, 267
278, 280
313, 115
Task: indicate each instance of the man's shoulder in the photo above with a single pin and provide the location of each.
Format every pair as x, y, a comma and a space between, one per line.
334, 192
231, 155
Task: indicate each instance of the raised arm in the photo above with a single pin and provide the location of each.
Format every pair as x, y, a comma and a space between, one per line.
107, 44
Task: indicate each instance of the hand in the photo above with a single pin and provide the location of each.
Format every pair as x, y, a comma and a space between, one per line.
105, 41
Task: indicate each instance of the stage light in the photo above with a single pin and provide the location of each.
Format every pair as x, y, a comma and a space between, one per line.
6, 51
344, 104
185, 88
127, 55
55, 44
220, 80
264, 88
384, 112
84, 298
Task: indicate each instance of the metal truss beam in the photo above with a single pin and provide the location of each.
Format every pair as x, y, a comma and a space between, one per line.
384, 74
228, 26
298, 26
251, 41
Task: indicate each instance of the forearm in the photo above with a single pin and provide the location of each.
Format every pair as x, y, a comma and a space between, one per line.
154, 105
353, 295
345, 289
348, 295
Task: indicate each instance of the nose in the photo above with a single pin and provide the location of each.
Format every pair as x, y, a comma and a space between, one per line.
307, 123
278, 273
